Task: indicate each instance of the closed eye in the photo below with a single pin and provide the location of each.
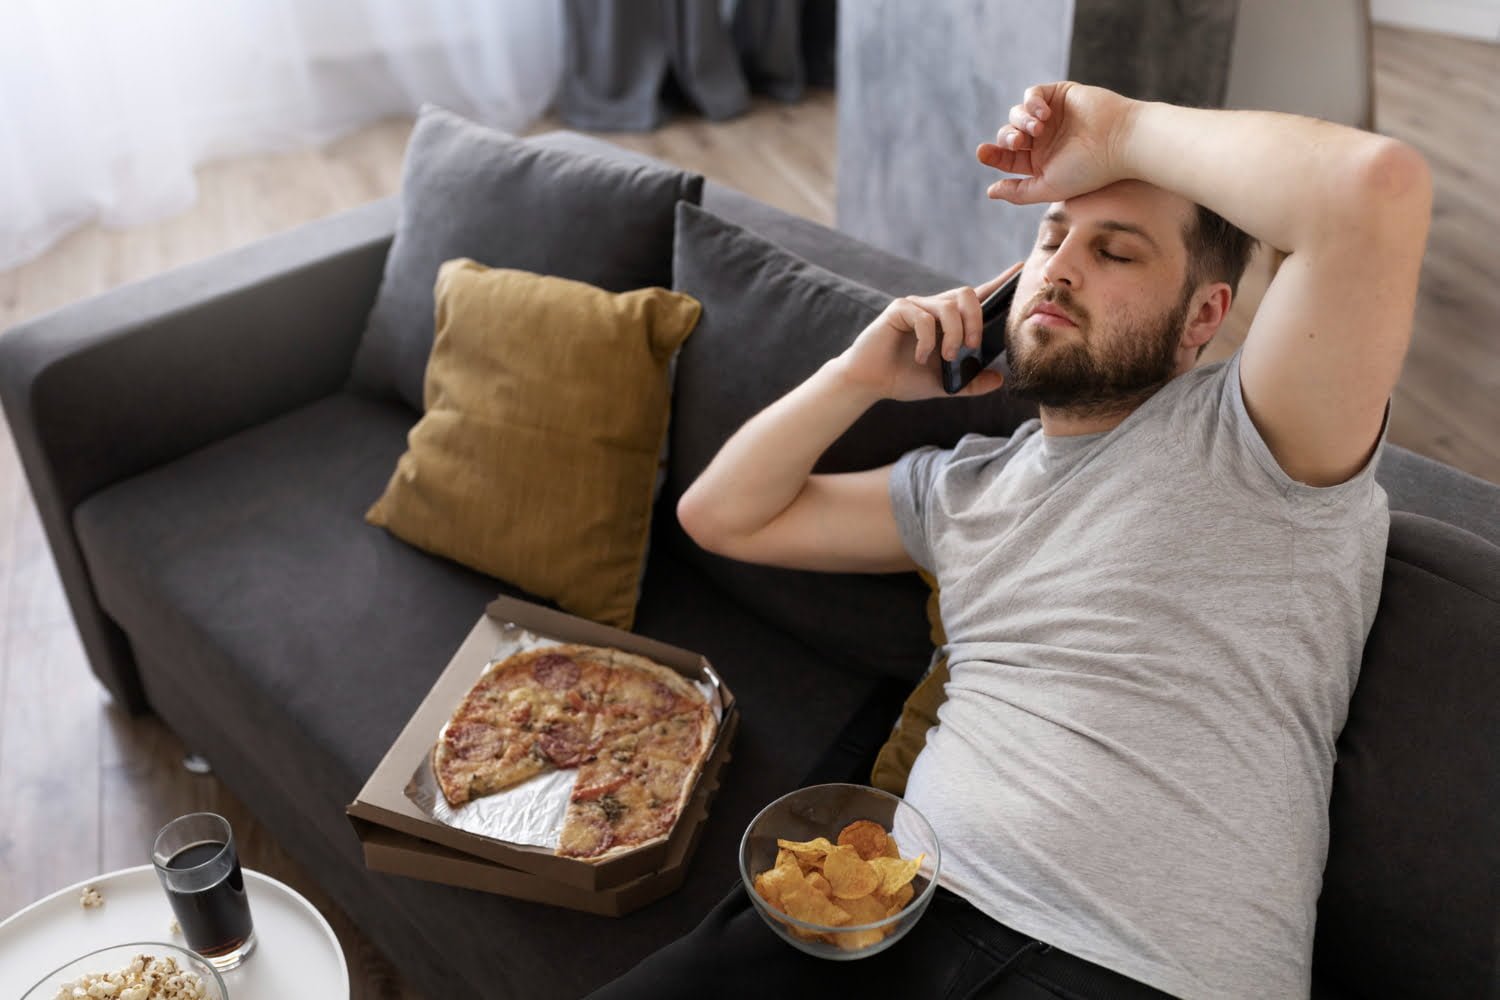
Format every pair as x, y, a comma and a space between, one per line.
1113, 258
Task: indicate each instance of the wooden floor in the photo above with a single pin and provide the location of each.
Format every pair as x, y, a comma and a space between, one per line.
83, 788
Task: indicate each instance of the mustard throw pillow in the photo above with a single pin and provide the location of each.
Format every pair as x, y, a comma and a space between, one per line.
919, 713
546, 409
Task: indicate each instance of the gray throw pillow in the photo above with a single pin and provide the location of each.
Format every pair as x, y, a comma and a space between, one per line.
770, 319
471, 191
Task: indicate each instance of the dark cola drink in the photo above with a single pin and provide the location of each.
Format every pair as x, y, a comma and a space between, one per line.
214, 920
200, 871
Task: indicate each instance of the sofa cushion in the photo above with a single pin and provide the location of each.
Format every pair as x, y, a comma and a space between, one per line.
761, 302
258, 543
470, 191
536, 460
1410, 898
289, 642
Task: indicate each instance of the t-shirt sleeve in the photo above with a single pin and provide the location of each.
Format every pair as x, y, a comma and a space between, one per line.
1251, 460
911, 482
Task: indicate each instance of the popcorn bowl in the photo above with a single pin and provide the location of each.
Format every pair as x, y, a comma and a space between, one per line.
116, 958
824, 811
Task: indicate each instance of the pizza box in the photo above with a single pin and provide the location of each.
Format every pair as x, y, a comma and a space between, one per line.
383, 801
395, 853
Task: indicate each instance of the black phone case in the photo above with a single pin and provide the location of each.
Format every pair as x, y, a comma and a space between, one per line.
970, 362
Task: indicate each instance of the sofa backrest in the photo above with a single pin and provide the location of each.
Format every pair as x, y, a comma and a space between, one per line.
1411, 902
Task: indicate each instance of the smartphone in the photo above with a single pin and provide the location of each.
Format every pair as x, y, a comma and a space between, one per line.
970, 362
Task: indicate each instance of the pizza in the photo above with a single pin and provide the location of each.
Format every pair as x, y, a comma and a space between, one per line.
637, 733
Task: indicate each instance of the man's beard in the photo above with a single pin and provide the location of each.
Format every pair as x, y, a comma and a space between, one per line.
1090, 378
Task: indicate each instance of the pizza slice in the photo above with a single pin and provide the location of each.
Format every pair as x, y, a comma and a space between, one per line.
641, 692
474, 758
529, 713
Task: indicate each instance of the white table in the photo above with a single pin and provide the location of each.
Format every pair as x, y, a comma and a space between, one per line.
296, 953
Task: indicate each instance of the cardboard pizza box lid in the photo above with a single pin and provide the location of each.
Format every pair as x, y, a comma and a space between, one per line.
383, 801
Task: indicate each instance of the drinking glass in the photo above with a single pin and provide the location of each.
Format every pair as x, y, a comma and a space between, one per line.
196, 861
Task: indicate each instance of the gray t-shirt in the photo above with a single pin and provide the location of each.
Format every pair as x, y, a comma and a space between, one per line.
1153, 636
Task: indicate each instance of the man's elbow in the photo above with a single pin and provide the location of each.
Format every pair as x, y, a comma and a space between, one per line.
1391, 178
697, 522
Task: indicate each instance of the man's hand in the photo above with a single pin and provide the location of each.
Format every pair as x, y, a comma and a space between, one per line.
897, 356
1064, 138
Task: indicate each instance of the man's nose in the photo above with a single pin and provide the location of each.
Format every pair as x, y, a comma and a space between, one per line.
1062, 267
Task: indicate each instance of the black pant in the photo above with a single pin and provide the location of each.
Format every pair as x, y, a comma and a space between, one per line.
954, 953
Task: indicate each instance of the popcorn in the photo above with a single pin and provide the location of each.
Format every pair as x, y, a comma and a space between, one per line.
91, 899
145, 978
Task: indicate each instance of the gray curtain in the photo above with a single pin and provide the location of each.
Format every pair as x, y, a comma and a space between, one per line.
1162, 50
628, 61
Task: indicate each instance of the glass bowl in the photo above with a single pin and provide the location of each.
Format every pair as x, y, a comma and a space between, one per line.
116, 957
823, 811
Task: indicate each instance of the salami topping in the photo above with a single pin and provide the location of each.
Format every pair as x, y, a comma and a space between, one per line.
475, 741
556, 671
563, 747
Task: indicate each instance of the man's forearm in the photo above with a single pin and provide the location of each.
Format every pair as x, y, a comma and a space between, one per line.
765, 465
1290, 181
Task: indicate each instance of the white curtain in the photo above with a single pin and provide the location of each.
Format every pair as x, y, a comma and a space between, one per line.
106, 106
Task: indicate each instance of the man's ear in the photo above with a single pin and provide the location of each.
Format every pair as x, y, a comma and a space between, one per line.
1210, 304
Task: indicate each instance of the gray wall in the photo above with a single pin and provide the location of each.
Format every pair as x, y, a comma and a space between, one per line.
922, 82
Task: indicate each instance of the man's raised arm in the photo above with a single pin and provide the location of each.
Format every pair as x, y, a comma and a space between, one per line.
1349, 208
758, 501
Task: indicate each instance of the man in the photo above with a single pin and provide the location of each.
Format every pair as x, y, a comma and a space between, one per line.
1156, 596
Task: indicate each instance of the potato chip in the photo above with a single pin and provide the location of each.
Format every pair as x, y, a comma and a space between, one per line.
865, 836
809, 852
895, 872
805, 903
766, 888
897, 901
772, 883
818, 882
849, 874
862, 909
855, 940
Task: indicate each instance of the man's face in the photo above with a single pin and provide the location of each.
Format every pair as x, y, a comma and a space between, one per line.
1101, 306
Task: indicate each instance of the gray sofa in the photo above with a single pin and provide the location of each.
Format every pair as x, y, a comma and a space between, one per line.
202, 466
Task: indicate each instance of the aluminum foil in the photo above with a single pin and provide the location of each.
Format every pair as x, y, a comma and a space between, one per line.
532, 812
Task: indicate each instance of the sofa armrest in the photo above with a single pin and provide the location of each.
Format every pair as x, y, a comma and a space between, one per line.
106, 388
